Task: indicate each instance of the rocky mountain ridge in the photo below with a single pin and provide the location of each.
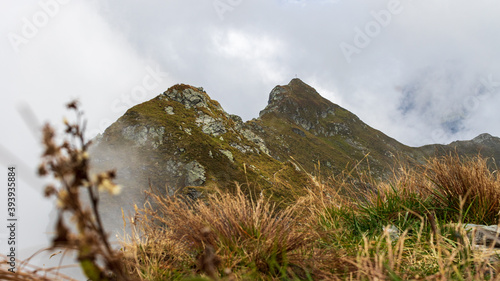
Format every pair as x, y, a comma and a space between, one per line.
183, 141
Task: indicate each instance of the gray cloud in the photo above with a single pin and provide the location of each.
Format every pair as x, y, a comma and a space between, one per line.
239, 56
427, 71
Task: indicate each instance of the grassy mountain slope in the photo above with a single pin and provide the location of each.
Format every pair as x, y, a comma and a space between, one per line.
298, 122
184, 140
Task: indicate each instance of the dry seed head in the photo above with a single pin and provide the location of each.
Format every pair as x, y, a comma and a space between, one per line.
61, 198
72, 105
86, 183
50, 190
42, 170
107, 185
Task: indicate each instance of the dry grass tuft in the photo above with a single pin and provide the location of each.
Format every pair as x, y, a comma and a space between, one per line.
466, 185
29, 272
238, 235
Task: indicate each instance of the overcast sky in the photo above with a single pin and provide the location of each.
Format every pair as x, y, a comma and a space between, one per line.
422, 72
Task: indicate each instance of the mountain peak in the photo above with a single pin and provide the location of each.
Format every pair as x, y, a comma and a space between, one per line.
294, 97
190, 96
483, 138
297, 81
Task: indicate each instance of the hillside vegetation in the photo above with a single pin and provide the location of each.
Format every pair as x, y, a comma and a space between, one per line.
408, 228
412, 226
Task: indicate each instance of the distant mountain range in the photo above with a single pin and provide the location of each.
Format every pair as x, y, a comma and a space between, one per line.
184, 141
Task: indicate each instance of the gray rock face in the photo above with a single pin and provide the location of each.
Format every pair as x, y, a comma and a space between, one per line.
393, 232
236, 119
188, 97
276, 95
483, 138
486, 235
249, 135
298, 132
485, 240
332, 129
242, 148
169, 110
195, 174
193, 194
228, 154
173, 168
210, 125
325, 114
143, 135
238, 122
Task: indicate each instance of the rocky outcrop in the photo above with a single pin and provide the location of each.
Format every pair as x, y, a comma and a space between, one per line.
333, 129
251, 136
169, 110
195, 174
144, 135
485, 241
228, 154
189, 97
485, 235
484, 139
211, 126
277, 95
